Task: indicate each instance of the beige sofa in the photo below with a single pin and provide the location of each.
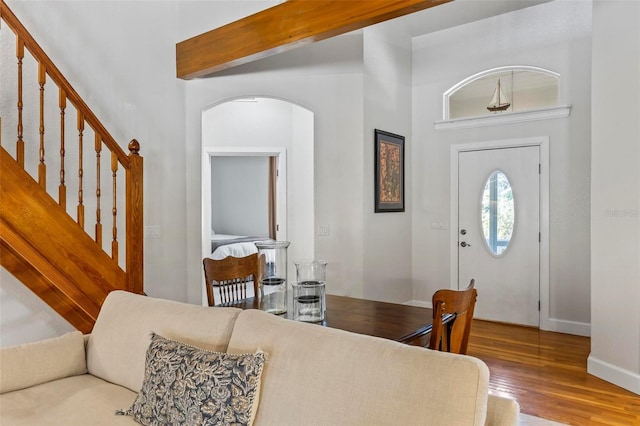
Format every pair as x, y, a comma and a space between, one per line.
313, 375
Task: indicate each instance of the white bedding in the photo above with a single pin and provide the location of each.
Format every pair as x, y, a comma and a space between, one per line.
240, 249
235, 249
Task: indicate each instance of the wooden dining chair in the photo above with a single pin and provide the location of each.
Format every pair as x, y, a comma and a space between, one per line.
451, 324
231, 276
452, 318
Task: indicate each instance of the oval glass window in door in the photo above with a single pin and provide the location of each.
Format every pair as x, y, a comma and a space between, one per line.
498, 212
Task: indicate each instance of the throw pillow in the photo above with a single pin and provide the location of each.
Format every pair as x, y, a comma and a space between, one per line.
185, 385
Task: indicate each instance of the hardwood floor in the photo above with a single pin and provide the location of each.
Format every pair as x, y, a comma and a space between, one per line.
547, 374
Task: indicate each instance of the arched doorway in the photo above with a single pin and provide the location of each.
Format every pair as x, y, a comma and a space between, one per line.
261, 127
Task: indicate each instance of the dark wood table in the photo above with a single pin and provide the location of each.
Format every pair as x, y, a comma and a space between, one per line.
381, 319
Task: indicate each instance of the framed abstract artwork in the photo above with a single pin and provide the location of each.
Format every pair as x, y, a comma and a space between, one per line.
389, 172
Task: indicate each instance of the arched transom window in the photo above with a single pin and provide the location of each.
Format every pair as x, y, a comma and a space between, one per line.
501, 91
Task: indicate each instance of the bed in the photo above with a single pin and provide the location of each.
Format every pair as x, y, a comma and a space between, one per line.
223, 245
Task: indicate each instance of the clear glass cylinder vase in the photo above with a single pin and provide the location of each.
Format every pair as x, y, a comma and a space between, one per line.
309, 301
273, 281
309, 290
310, 271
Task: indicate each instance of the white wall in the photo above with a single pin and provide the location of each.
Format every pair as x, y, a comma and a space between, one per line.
240, 195
387, 106
615, 195
23, 316
556, 37
325, 78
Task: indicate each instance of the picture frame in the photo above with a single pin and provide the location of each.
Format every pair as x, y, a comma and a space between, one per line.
389, 172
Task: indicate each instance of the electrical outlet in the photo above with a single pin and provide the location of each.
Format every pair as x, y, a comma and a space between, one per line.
151, 232
323, 230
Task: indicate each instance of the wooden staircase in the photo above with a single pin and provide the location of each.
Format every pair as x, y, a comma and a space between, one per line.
41, 244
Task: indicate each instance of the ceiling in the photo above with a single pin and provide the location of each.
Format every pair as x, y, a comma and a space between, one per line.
447, 15
459, 12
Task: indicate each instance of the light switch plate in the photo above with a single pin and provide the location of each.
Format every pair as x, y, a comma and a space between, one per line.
323, 230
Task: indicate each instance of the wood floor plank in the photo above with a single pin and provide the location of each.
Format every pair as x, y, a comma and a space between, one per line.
546, 373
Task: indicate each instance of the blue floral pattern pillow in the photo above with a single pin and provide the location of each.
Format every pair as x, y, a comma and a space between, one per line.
185, 385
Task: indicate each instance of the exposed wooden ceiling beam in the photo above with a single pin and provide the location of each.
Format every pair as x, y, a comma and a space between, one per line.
284, 27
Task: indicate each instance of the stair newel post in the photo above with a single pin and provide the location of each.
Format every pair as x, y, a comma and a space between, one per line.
80, 171
114, 208
20, 142
62, 189
135, 230
98, 148
42, 168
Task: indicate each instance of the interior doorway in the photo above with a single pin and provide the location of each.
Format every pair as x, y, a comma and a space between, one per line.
499, 232
273, 222
268, 128
245, 206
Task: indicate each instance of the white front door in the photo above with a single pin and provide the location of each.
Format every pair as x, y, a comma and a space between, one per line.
499, 231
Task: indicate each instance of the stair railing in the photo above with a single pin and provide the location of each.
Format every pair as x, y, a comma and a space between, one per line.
86, 124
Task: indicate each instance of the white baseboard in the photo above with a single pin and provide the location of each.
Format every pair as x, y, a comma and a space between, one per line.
611, 373
565, 326
552, 324
419, 303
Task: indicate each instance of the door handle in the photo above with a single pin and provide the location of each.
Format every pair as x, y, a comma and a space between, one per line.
464, 244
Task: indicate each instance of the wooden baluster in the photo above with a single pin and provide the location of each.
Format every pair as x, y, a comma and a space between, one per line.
80, 171
20, 142
42, 168
62, 189
114, 209
98, 147
134, 218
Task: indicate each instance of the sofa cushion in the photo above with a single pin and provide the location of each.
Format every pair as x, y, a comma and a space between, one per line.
502, 411
118, 343
43, 361
73, 401
323, 376
184, 385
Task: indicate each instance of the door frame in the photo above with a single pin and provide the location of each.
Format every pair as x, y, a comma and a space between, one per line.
235, 151
543, 143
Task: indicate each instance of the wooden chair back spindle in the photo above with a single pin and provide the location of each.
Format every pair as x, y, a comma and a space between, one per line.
231, 276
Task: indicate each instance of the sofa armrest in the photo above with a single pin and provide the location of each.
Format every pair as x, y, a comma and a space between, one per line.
30, 364
502, 411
